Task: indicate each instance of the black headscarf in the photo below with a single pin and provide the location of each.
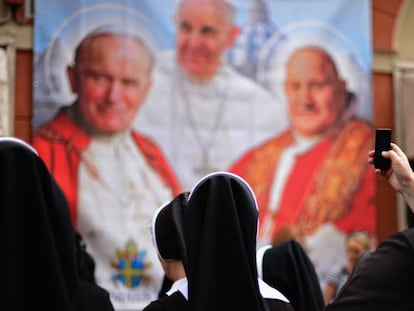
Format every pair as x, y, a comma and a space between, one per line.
167, 232
220, 226
288, 268
37, 264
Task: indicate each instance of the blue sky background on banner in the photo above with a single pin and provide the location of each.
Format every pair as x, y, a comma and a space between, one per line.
282, 12
60, 24
47, 23
351, 17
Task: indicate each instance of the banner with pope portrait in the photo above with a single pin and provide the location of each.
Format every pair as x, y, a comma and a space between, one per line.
276, 91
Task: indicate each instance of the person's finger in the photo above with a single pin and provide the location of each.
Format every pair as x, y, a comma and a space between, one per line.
371, 156
398, 150
386, 173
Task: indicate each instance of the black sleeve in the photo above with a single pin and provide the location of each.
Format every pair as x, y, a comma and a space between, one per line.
277, 305
95, 297
155, 306
175, 302
383, 281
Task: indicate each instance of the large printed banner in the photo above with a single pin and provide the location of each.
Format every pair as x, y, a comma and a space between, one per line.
276, 91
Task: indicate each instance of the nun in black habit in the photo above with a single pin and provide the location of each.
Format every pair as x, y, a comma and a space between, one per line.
288, 267
38, 263
168, 243
217, 230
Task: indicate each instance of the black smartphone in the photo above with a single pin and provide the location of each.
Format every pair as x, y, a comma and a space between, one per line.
382, 143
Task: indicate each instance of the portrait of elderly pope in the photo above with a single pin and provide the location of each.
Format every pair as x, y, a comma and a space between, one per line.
200, 110
312, 181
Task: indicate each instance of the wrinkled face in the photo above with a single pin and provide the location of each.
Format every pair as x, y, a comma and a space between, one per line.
111, 78
316, 96
204, 32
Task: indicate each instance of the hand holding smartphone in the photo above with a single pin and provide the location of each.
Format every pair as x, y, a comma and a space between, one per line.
382, 143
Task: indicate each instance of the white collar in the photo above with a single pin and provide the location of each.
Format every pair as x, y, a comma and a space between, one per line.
266, 290
180, 285
270, 292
